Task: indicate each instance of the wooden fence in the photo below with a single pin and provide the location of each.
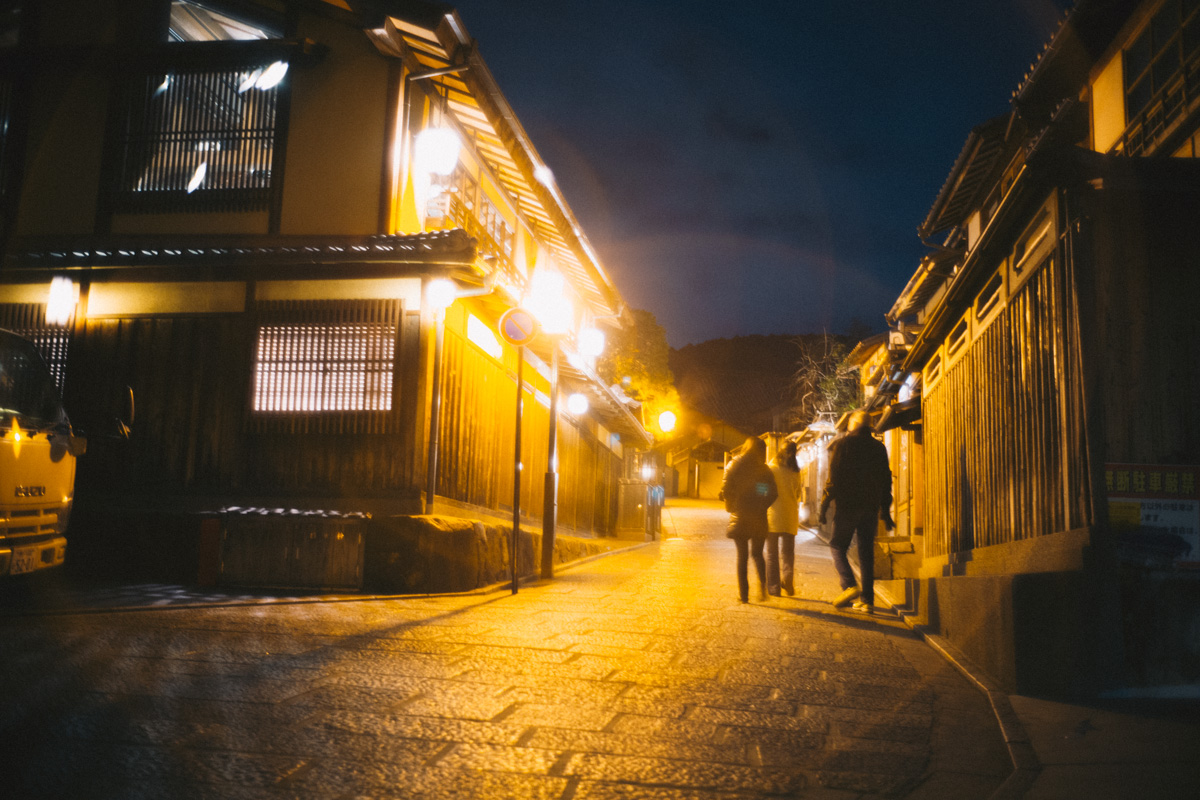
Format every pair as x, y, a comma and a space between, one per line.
1005, 450
477, 434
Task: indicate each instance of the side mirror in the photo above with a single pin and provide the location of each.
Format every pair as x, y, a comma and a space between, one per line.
124, 422
130, 409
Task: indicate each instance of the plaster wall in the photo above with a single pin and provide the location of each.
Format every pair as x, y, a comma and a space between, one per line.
337, 136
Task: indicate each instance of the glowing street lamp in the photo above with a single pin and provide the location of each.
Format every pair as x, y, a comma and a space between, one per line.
64, 295
436, 151
666, 421
440, 292
548, 301
577, 405
591, 342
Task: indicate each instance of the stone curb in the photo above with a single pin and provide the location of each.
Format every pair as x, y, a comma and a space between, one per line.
482, 590
1026, 766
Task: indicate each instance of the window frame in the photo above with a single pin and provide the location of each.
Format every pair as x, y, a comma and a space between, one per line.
175, 151
244, 11
327, 314
161, 57
1155, 90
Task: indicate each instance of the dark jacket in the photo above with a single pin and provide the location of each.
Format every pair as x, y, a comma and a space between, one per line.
859, 478
749, 490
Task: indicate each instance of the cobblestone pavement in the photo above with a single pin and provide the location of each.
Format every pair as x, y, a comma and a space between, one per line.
637, 675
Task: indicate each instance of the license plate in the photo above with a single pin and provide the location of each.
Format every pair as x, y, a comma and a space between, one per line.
24, 560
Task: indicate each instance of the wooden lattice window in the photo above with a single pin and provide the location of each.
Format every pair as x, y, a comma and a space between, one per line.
325, 365
52, 341
197, 141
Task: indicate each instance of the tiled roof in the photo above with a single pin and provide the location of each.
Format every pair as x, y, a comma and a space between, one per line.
453, 246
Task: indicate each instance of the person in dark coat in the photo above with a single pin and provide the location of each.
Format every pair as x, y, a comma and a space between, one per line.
749, 490
860, 486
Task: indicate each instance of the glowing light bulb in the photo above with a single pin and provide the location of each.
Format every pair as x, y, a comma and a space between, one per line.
272, 75
577, 405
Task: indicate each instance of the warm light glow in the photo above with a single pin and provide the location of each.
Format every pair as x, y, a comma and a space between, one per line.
591, 342
248, 84
647, 472
440, 293
315, 368
64, 294
543, 175
548, 302
436, 151
16, 439
197, 177
577, 405
666, 421
272, 75
479, 333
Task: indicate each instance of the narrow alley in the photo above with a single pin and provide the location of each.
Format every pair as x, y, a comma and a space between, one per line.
632, 675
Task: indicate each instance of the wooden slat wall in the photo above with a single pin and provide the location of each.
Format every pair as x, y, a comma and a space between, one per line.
1005, 457
476, 431
192, 377
189, 376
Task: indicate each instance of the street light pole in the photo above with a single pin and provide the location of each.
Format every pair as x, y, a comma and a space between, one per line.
550, 500
516, 526
439, 294
434, 408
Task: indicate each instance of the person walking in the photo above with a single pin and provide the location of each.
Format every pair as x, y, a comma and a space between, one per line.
783, 521
860, 486
748, 491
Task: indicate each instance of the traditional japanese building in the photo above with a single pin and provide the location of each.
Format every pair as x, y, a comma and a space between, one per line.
285, 232
1046, 356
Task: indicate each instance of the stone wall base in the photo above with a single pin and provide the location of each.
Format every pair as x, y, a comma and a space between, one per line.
428, 554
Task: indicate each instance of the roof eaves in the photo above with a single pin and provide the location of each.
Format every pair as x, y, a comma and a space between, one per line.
496, 107
865, 349
975, 162
1061, 69
451, 247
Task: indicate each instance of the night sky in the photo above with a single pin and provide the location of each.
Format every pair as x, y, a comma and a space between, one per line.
762, 166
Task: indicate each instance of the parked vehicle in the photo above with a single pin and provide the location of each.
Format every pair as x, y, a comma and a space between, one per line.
37, 461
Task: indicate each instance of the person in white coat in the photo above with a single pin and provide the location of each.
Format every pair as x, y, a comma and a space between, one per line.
783, 521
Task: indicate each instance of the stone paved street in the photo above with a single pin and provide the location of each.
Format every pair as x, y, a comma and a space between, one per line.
636, 675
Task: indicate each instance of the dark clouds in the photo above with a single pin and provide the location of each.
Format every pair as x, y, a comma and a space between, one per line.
757, 167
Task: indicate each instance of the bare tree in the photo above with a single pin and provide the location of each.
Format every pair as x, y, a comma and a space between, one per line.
821, 382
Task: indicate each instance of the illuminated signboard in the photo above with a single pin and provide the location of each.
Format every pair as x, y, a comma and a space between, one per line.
1158, 499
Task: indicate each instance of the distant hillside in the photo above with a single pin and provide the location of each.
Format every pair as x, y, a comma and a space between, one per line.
744, 381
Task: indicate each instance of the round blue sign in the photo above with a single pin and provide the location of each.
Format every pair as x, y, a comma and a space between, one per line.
518, 327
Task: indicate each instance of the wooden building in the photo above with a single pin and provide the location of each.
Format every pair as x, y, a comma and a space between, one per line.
1048, 349
697, 454
246, 209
